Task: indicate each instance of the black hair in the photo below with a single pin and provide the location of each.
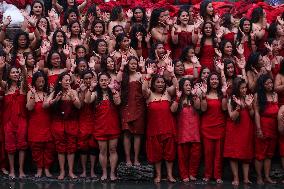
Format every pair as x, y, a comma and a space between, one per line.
223, 44
54, 42
48, 59
180, 11
38, 74
114, 27
226, 20
78, 61
42, 5
213, 35
94, 44
203, 8
68, 12
253, 60
119, 38
71, 24
188, 98
219, 88
47, 26
256, 14
237, 82
281, 70
144, 17
226, 63
272, 30
240, 35
104, 63
115, 13
92, 10
153, 80
16, 44
154, 46
98, 22
261, 92
134, 30
154, 20
100, 91
183, 56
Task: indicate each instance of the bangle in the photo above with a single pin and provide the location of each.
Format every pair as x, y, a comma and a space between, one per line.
32, 29
147, 79
42, 57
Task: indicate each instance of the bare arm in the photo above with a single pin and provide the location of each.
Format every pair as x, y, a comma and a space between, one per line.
30, 101
278, 86
234, 114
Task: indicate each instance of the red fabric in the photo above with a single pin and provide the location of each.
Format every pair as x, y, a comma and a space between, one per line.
247, 50
265, 148
230, 37
281, 145
52, 79
213, 120
39, 124
213, 156
43, 153
160, 147
188, 125
65, 127
106, 124
268, 120
21, 4
275, 70
189, 155
207, 54
239, 140
281, 99
184, 40
189, 71
15, 122
160, 120
2, 139
86, 140
29, 80
133, 113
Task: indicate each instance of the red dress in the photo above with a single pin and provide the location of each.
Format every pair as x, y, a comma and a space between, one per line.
52, 80
189, 71
161, 132
65, 127
15, 122
213, 131
207, 54
86, 140
188, 138
184, 40
106, 124
40, 137
265, 148
2, 139
133, 113
247, 50
239, 140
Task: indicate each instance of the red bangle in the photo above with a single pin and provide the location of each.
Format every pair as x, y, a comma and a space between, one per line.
32, 29
42, 57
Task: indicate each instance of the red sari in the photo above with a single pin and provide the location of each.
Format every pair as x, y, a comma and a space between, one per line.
65, 127
239, 140
188, 138
106, 124
15, 122
207, 54
133, 113
39, 136
2, 138
160, 140
265, 148
184, 40
213, 131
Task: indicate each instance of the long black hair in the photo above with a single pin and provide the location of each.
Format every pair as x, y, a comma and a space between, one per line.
42, 5
240, 35
48, 59
153, 80
219, 88
237, 82
203, 8
154, 20
38, 74
99, 90
134, 30
125, 81
253, 61
256, 14
16, 44
115, 13
54, 42
213, 35
281, 70
226, 20
144, 17
261, 92
119, 38
226, 63
184, 54
189, 97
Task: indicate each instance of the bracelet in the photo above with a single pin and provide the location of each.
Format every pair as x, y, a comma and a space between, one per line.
32, 29
42, 57
147, 79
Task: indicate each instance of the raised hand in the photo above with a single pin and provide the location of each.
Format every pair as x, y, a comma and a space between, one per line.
203, 88
240, 49
93, 84
269, 47
224, 88
243, 34
2, 62
241, 62
216, 18
43, 49
148, 13
194, 60
148, 37
91, 18
149, 70
92, 64
249, 100
218, 52
170, 67
220, 64
66, 50
139, 36
22, 61
253, 35
7, 21
129, 13
178, 93
236, 100
280, 20
8, 48
141, 63
200, 35
32, 20
25, 13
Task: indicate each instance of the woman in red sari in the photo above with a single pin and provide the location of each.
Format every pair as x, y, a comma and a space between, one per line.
132, 106
106, 125
240, 130
213, 105
266, 110
188, 126
39, 130
161, 132
14, 114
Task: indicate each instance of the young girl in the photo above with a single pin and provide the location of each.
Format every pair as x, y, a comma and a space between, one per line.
240, 130
213, 105
106, 125
39, 130
14, 114
266, 110
188, 125
160, 136
132, 106
65, 103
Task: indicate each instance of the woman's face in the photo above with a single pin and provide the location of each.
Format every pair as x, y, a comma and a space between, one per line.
179, 68
117, 30
30, 61
22, 41
55, 60
87, 79
187, 87
230, 69
268, 85
184, 17
98, 11
132, 64
110, 64
43, 22
66, 81
72, 17
275, 46
104, 81
81, 53
243, 89
39, 84
75, 29
138, 14
160, 50
190, 53
121, 15
71, 2
208, 29
246, 26
214, 81
82, 66
14, 74
98, 29
59, 38
280, 30
37, 9
102, 47
228, 49
205, 73
125, 43
260, 62
210, 9
159, 85
233, 20
154, 67
163, 17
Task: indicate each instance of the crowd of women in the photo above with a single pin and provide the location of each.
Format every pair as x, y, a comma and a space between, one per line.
195, 84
